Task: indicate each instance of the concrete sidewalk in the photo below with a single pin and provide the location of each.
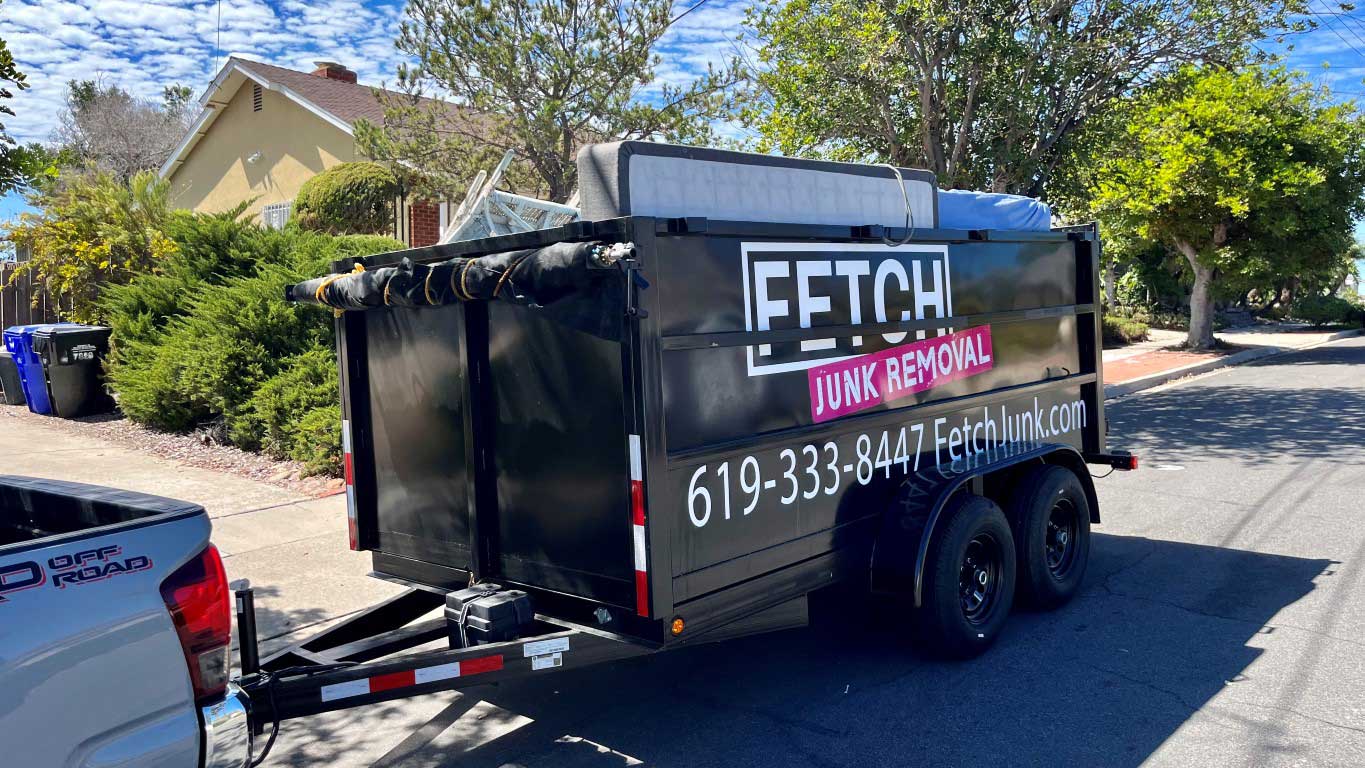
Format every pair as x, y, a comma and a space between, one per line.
1151, 363
292, 547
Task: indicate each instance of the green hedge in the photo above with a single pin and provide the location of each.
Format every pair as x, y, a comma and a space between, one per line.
1327, 310
350, 198
1122, 330
210, 341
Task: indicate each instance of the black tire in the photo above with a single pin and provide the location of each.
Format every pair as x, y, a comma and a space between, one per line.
1051, 516
969, 575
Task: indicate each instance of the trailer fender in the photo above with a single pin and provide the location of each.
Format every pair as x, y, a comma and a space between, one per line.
913, 515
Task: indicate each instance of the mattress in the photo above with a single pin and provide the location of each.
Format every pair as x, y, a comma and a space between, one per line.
639, 178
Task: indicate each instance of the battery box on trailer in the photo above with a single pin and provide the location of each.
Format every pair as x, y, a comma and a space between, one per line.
486, 613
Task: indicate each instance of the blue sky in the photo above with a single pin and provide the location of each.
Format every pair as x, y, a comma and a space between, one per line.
143, 45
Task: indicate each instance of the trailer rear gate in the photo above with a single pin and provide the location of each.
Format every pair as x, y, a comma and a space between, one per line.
489, 439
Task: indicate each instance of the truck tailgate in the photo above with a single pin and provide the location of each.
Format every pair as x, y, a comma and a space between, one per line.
91, 668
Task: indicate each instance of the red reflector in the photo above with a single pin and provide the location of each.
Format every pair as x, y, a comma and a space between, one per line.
392, 680
637, 502
642, 593
481, 664
197, 597
347, 468
1132, 462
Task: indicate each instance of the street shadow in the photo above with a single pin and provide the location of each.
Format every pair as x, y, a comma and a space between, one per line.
1252, 424
1160, 629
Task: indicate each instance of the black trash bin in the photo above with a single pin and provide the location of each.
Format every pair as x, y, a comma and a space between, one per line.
10, 385
72, 357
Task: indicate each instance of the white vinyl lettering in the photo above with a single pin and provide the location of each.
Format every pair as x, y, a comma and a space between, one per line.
887, 269
929, 297
768, 308
854, 270
808, 304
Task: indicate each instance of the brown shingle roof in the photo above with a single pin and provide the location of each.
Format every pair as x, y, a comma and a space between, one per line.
347, 101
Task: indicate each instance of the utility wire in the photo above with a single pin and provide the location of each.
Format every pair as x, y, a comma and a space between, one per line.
218, 43
1327, 22
694, 7
1343, 18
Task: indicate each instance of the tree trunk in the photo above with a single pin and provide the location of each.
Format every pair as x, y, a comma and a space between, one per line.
1201, 305
1109, 284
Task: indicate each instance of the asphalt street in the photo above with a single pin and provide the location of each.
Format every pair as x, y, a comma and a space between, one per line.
1222, 624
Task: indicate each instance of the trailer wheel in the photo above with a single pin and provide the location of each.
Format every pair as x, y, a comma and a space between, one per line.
1051, 515
968, 580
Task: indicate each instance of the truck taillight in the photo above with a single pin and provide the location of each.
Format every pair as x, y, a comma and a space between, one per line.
197, 597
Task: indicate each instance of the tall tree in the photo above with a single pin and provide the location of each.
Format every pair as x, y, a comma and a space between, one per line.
541, 77
985, 93
15, 161
1249, 175
120, 134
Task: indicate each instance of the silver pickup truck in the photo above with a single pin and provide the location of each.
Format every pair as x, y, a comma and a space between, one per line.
115, 626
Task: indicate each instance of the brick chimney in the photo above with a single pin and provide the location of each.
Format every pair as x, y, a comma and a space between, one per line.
333, 71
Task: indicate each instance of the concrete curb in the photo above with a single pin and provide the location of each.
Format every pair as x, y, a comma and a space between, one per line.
1112, 391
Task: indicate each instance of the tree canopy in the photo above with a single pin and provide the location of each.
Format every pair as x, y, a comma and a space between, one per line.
541, 77
16, 162
985, 93
110, 130
1248, 174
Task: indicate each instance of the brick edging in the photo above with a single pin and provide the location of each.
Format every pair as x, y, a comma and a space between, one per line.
1126, 388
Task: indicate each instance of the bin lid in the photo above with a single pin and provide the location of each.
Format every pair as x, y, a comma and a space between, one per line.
15, 331
57, 339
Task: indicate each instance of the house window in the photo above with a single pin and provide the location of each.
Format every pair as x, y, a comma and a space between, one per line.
276, 215
255, 97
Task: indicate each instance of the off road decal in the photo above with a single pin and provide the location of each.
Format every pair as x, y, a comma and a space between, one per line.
69, 570
859, 383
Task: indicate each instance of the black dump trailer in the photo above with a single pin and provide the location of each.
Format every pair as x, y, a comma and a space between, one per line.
660, 430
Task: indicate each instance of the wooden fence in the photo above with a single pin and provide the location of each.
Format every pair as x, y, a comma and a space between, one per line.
17, 302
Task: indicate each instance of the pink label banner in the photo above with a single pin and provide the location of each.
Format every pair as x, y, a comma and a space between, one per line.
863, 382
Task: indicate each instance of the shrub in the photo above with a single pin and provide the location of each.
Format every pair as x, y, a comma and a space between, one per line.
350, 198
1120, 330
208, 249
211, 360
318, 444
270, 419
1327, 310
211, 339
94, 232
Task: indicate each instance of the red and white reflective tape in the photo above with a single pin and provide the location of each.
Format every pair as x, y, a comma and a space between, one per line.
348, 467
637, 515
372, 685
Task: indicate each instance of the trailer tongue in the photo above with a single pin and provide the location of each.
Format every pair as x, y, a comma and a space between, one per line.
665, 428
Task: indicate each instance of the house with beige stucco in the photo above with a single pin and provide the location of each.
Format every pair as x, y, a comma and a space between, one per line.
262, 131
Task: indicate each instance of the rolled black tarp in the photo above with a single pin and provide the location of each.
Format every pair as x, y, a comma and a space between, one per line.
574, 283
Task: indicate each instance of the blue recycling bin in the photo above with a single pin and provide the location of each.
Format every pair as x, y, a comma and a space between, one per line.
19, 343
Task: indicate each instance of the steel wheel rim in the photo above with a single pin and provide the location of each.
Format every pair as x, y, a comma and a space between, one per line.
978, 581
1059, 538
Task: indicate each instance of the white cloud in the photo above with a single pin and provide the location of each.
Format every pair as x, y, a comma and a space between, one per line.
145, 45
